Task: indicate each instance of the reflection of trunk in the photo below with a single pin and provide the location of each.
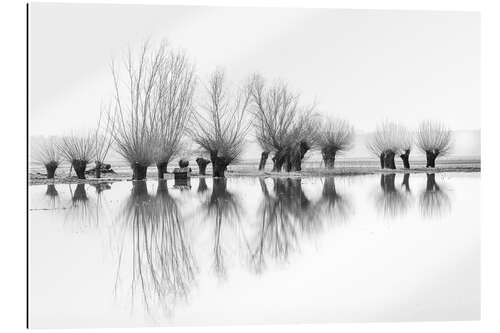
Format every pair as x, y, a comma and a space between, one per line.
219, 165
387, 182
162, 169
51, 190
431, 158
382, 160
202, 165
263, 160
79, 166
389, 160
98, 166
406, 159
140, 189
406, 182
139, 171
161, 190
80, 193
51, 169
329, 157
202, 185
431, 183
329, 191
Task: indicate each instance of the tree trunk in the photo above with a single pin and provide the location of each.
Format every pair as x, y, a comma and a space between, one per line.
389, 160
406, 182
79, 166
202, 165
329, 157
51, 169
263, 160
279, 159
298, 155
219, 165
98, 169
382, 160
431, 159
406, 159
139, 171
162, 169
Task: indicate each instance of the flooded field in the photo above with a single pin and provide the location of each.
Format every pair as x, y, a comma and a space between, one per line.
249, 250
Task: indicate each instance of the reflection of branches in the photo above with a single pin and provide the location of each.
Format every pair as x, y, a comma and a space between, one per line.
390, 201
331, 202
283, 217
434, 200
163, 264
225, 207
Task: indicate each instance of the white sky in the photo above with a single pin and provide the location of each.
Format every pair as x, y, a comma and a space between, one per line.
364, 66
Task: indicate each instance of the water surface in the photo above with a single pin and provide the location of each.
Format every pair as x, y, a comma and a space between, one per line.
248, 250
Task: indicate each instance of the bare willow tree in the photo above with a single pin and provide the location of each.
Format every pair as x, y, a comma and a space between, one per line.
388, 140
434, 139
281, 126
334, 136
174, 106
103, 136
135, 85
79, 151
219, 125
406, 139
46, 152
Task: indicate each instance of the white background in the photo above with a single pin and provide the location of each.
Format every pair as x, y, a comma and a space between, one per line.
13, 172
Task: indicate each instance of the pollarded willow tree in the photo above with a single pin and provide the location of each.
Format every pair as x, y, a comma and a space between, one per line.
219, 126
281, 125
139, 89
174, 106
79, 151
103, 137
46, 152
333, 137
435, 140
388, 140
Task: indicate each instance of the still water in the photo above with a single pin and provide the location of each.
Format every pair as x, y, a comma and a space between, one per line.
248, 250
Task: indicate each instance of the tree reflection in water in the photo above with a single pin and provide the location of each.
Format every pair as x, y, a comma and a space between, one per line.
81, 212
283, 216
52, 195
163, 265
433, 201
333, 205
390, 201
225, 208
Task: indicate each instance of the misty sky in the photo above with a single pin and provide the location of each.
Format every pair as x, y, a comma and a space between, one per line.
364, 66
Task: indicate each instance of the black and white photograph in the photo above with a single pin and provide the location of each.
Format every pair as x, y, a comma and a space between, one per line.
198, 165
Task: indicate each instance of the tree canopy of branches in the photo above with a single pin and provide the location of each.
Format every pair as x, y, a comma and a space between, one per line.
174, 106
333, 136
79, 151
281, 125
389, 140
46, 152
219, 126
434, 139
137, 96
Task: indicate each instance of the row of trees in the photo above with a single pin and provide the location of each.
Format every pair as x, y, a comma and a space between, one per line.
154, 112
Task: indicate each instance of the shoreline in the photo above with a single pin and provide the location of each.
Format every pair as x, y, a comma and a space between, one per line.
39, 179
